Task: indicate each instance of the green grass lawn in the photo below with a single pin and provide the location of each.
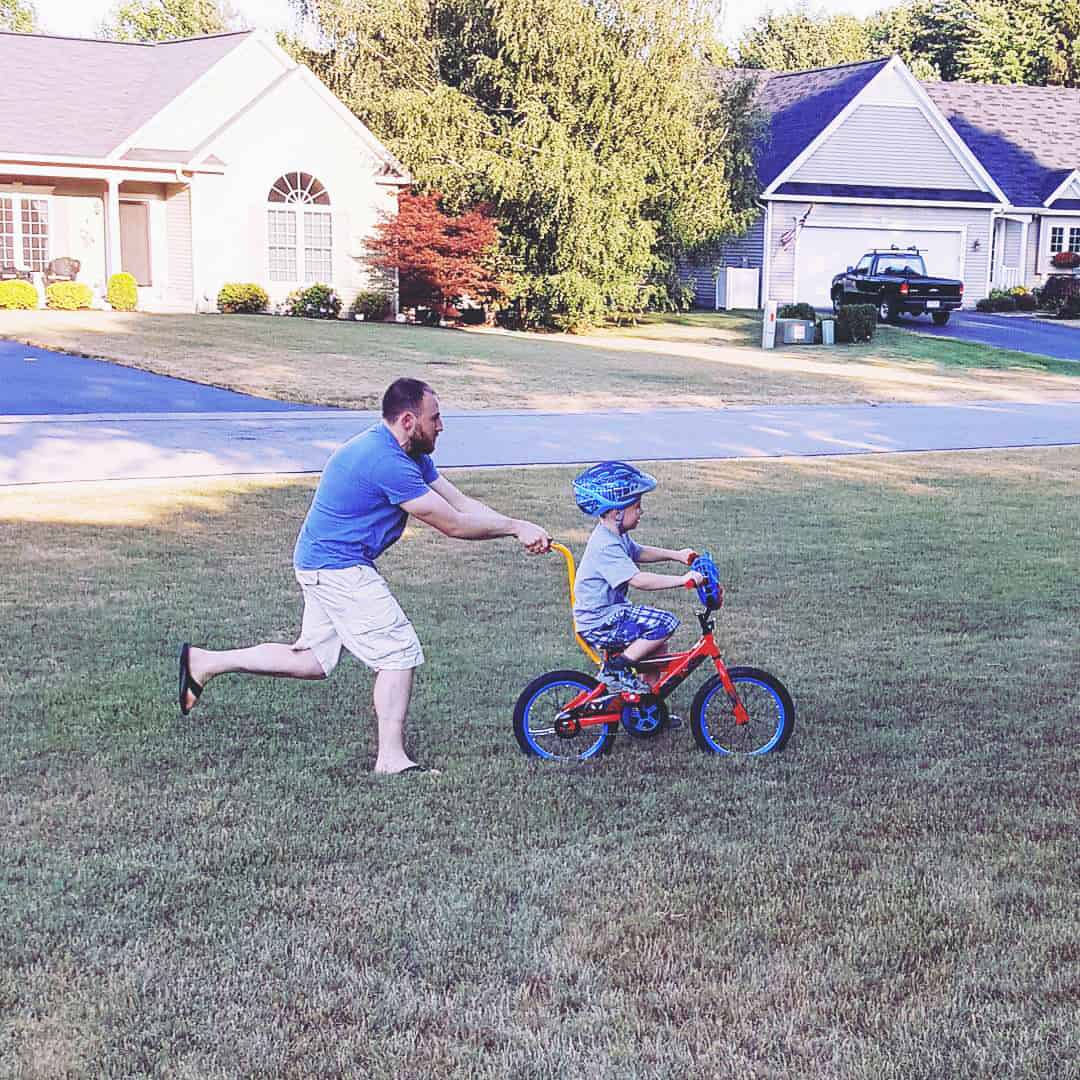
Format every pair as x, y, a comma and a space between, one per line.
699, 359
236, 894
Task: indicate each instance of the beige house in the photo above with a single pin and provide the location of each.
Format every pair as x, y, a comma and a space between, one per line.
187, 164
985, 180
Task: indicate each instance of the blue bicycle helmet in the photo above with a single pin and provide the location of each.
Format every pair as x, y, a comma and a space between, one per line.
611, 485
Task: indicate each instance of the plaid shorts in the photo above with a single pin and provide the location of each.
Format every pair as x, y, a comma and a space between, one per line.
632, 623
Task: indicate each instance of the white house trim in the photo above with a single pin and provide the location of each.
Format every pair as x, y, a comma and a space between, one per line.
1072, 178
69, 166
933, 116
882, 202
766, 255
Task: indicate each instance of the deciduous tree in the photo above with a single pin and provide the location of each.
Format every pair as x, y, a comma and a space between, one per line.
439, 257
589, 125
161, 20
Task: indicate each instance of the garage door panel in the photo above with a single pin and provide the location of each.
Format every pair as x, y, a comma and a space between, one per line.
824, 251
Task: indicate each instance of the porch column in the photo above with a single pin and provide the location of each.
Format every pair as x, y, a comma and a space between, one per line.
112, 229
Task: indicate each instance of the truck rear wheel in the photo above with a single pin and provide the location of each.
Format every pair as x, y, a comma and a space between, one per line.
940, 317
887, 311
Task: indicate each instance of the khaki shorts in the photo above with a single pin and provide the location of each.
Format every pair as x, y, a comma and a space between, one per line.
354, 608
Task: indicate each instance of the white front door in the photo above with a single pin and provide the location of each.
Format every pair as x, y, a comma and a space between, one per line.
826, 250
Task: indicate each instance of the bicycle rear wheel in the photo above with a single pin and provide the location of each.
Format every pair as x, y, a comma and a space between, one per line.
769, 705
534, 719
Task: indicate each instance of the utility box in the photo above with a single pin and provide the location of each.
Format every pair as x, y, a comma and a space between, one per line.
795, 331
736, 288
828, 331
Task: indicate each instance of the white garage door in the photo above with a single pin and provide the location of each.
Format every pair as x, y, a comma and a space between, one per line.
825, 250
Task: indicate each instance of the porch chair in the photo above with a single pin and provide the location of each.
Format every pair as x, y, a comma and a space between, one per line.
62, 269
13, 273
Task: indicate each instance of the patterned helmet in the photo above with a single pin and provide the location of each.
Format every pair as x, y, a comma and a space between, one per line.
611, 485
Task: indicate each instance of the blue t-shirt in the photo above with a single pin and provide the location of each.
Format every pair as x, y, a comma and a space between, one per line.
603, 577
356, 514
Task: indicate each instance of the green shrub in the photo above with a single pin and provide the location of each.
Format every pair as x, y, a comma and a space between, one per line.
1005, 303
68, 296
18, 295
373, 305
473, 316
1058, 289
985, 305
315, 302
1070, 307
123, 292
1019, 290
242, 298
1026, 302
856, 322
797, 311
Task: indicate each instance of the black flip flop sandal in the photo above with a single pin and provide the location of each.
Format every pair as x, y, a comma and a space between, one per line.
187, 684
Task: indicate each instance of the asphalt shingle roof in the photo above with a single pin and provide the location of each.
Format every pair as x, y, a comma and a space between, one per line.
78, 97
1027, 137
800, 105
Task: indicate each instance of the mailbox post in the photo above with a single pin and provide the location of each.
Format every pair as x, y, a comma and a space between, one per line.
768, 325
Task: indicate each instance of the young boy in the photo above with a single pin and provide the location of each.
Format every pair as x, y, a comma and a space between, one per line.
612, 491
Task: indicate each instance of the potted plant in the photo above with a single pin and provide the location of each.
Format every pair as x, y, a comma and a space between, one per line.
1065, 260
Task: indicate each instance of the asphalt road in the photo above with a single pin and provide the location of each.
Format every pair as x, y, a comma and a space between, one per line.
1038, 336
36, 450
35, 381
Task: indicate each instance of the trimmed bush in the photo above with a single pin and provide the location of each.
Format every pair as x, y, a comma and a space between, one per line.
1026, 302
315, 302
985, 305
242, 298
1070, 308
373, 305
1058, 289
68, 296
123, 292
18, 296
797, 311
856, 322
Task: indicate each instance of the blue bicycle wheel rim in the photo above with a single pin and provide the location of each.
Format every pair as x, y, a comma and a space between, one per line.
781, 713
593, 750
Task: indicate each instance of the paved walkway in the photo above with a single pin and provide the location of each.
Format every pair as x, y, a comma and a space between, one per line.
1037, 336
53, 449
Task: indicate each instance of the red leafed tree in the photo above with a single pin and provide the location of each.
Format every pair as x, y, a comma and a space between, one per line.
439, 258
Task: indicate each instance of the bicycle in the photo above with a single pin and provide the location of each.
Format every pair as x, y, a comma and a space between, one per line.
570, 716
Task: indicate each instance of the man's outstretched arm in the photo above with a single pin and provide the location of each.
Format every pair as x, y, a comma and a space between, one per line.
469, 519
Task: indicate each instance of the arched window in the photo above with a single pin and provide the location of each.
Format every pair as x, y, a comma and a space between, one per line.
300, 230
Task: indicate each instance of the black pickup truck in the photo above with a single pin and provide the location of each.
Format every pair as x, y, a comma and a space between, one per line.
896, 282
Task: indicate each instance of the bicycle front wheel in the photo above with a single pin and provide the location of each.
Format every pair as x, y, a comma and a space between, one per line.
535, 719
767, 703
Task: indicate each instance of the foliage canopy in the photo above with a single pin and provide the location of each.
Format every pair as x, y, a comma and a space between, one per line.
18, 15
590, 126
161, 20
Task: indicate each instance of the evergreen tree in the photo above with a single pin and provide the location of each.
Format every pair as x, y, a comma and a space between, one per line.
589, 125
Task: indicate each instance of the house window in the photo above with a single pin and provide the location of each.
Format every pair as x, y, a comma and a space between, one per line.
7, 232
1057, 239
24, 232
300, 230
1074, 240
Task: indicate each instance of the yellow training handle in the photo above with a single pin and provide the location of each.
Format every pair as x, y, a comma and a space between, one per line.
568, 555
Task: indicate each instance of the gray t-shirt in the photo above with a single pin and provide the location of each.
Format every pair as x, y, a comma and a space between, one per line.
609, 562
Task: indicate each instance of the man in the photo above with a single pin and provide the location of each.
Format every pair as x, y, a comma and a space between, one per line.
367, 490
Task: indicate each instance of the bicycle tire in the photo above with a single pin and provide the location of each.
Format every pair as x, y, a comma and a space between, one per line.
772, 714
533, 719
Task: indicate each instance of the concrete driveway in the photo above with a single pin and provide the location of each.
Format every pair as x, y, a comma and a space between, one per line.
36, 381
1038, 336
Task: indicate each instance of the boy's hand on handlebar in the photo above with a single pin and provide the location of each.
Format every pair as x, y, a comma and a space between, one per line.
687, 555
692, 579
532, 537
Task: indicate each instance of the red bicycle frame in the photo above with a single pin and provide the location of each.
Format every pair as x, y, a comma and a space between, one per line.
663, 674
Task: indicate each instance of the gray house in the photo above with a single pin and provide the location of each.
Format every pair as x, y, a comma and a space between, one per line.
985, 180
